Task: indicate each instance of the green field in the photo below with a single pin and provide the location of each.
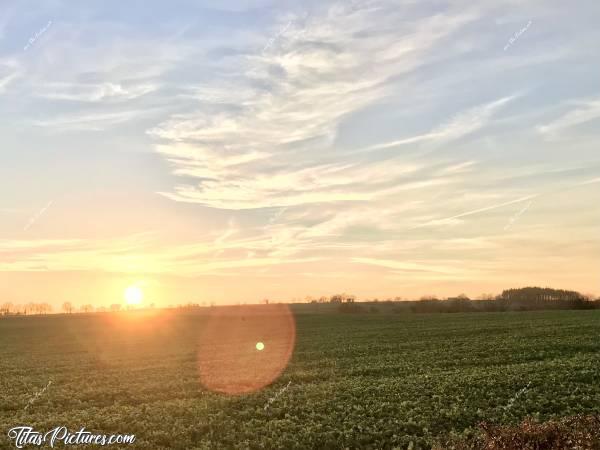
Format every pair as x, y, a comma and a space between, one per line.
354, 381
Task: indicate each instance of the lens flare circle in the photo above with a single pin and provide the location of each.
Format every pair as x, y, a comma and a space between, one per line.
242, 349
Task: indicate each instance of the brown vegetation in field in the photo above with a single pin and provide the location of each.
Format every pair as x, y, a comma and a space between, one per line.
576, 433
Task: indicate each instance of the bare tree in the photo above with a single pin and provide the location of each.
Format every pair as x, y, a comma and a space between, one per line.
342, 298
115, 307
67, 307
87, 308
45, 308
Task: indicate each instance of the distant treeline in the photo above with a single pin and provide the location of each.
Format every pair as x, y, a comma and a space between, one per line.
12, 309
28, 308
524, 299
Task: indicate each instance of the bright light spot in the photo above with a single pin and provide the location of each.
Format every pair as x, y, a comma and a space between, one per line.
260, 346
133, 295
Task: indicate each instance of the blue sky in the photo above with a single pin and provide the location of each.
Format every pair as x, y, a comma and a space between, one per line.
237, 150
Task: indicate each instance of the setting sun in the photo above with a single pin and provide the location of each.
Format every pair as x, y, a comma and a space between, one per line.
133, 295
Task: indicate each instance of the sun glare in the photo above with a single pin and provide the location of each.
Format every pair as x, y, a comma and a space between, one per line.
133, 295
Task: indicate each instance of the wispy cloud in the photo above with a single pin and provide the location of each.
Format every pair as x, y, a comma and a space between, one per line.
407, 266
94, 92
460, 125
9, 72
586, 111
91, 121
453, 220
314, 81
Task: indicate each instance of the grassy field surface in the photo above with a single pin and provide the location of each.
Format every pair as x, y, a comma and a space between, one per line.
353, 381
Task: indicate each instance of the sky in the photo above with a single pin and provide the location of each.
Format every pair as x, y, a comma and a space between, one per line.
232, 151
